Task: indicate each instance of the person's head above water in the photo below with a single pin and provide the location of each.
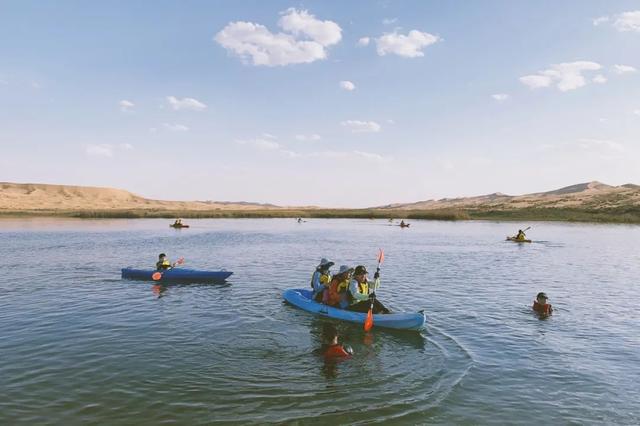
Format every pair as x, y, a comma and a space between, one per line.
330, 334
162, 256
542, 298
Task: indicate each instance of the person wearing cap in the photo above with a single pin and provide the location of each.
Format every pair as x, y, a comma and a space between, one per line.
541, 306
321, 278
163, 263
337, 293
362, 295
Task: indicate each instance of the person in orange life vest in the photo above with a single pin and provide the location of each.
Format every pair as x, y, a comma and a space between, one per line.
362, 292
337, 293
321, 278
331, 349
541, 306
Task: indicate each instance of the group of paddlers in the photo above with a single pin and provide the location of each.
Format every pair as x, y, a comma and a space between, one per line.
348, 289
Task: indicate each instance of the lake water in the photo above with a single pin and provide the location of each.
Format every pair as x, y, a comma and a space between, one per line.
80, 345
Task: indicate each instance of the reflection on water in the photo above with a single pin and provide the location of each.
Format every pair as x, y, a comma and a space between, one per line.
78, 344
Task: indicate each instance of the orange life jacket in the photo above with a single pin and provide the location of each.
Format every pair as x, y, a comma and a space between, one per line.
542, 309
336, 351
337, 288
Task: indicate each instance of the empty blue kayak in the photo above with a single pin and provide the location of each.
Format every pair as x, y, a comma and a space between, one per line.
302, 299
176, 275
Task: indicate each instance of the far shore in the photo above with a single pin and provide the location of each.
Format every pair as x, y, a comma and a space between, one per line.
629, 215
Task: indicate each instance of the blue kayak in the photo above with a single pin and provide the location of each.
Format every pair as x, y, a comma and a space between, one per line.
176, 275
302, 299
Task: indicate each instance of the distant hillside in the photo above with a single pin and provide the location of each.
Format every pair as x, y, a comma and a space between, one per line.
585, 202
26, 197
586, 196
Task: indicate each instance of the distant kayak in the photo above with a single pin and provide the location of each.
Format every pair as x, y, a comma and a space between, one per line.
301, 298
173, 225
176, 275
518, 240
406, 225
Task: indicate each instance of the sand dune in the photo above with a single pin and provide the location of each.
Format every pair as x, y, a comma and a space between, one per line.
44, 197
591, 195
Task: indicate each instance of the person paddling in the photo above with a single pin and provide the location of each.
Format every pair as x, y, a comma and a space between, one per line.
541, 306
321, 278
362, 295
163, 263
331, 349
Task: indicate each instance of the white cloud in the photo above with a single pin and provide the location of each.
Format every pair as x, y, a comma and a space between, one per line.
308, 138
125, 105
390, 121
623, 69
269, 136
185, 103
600, 79
536, 81
566, 76
500, 97
358, 126
260, 143
407, 46
101, 150
126, 146
363, 41
628, 21
600, 145
36, 85
301, 22
347, 85
175, 127
306, 39
636, 111
348, 155
600, 20
389, 21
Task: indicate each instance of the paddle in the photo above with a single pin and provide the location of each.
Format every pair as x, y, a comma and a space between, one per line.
157, 276
368, 323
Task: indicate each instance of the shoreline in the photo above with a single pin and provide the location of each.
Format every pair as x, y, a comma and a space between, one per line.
617, 215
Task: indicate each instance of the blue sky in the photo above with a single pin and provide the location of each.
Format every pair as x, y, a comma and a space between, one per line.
318, 102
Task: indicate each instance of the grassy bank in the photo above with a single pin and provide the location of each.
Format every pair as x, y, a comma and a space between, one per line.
614, 215
267, 213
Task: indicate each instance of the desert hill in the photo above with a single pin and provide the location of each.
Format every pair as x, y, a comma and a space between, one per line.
44, 197
591, 195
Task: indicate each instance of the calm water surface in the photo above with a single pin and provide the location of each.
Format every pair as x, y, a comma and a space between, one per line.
80, 345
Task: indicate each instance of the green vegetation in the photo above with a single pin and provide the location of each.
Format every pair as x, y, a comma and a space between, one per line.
266, 213
629, 214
